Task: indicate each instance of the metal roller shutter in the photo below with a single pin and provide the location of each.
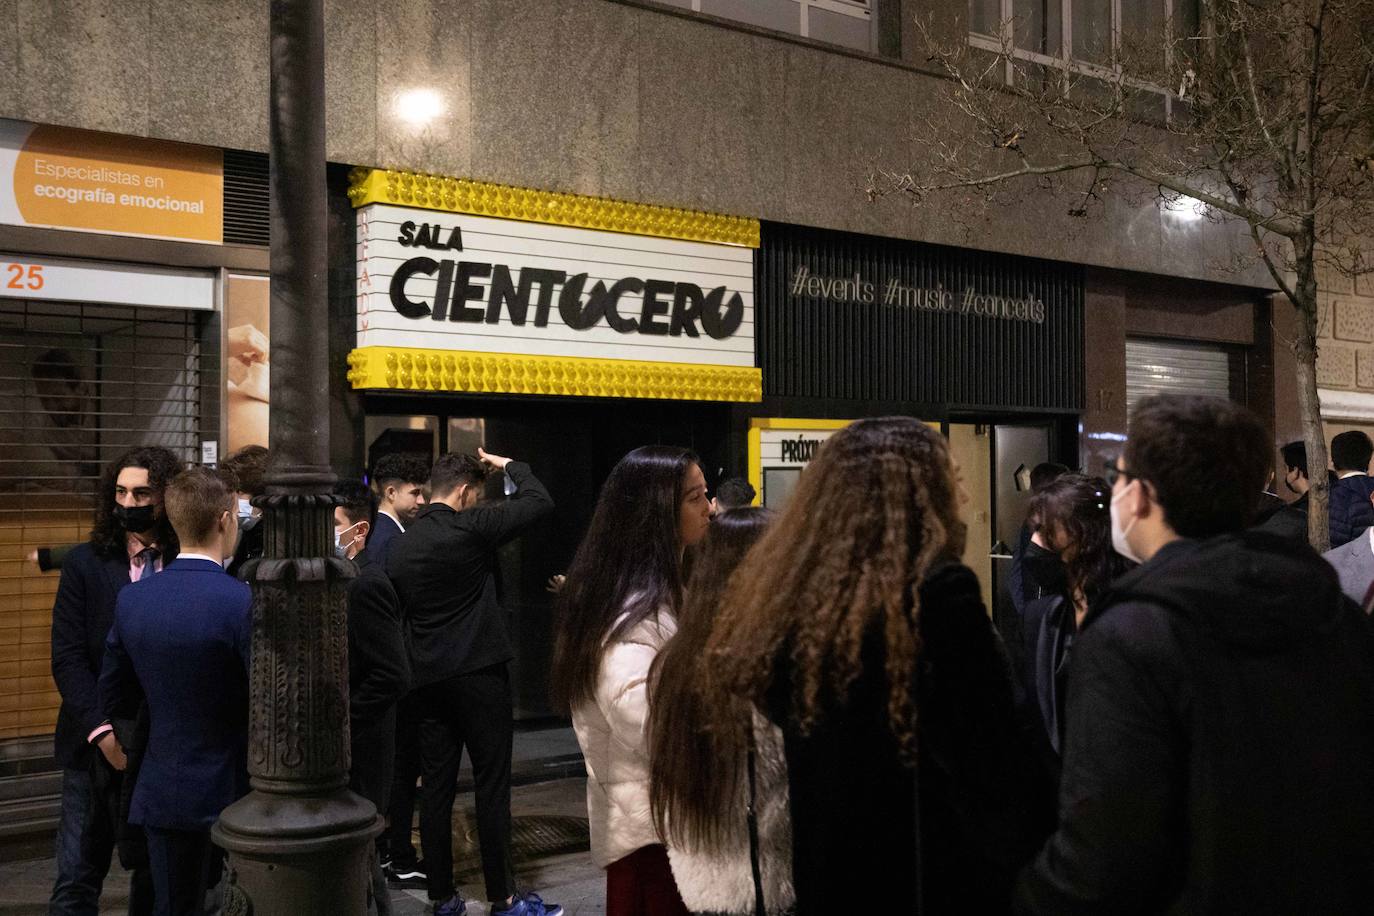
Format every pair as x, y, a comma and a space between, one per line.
1157, 367
79, 385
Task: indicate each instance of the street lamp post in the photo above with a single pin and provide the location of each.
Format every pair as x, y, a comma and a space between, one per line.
298, 842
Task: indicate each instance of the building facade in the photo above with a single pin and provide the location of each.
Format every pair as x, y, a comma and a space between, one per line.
569, 227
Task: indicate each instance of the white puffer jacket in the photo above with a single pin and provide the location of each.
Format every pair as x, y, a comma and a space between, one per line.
724, 882
611, 733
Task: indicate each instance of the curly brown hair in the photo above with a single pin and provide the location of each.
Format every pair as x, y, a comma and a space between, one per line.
872, 514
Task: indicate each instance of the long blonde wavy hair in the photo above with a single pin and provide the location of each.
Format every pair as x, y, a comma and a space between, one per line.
873, 513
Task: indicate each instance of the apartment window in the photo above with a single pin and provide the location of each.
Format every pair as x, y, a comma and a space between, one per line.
848, 23
1093, 37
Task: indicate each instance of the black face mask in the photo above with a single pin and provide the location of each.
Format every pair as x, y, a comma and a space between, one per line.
136, 519
1043, 569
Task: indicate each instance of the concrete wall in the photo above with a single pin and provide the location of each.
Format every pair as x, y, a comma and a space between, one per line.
618, 98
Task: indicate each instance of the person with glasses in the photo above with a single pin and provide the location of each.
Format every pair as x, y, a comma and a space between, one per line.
1218, 745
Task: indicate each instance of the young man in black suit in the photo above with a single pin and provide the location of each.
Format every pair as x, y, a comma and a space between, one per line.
378, 670
398, 480
444, 572
180, 642
132, 540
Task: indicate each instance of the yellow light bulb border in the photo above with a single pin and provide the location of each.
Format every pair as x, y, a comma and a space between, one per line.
481, 198
475, 372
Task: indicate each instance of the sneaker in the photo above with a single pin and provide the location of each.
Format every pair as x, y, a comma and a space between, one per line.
407, 876
453, 906
528, 905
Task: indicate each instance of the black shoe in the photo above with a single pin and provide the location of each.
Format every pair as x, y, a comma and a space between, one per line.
407, 876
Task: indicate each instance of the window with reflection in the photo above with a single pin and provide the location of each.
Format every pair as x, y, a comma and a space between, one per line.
1106, 38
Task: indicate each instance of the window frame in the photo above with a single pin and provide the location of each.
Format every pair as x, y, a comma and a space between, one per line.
1065, 61
856, 9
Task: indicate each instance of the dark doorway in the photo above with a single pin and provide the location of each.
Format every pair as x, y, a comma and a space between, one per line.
572, 447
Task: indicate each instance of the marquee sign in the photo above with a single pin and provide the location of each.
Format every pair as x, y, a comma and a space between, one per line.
458, 301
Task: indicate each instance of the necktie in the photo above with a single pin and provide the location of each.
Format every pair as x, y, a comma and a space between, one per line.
149, 555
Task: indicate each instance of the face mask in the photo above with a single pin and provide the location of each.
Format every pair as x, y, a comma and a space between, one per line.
1119, 542
340, 546
247, 520
1044, 568
135, 519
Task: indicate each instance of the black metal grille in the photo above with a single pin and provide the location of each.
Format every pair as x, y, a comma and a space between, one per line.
79, 385
246, 217
816, 347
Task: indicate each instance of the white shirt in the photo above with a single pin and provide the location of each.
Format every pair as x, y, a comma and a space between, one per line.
199, 556
1346, 474
394, 519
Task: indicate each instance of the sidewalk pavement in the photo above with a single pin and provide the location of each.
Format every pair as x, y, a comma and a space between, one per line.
566, 877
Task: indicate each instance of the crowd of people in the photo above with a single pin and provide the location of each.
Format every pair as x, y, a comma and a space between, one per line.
808, 712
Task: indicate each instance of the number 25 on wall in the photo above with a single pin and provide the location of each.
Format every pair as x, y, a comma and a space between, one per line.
22, 278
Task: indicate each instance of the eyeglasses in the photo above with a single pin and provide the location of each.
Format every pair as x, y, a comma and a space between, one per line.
1114, 472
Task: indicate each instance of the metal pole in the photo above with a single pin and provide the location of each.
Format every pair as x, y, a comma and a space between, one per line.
298, 842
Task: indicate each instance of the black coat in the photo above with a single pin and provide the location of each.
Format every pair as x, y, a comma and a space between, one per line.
1290, 522
81, 618
378, 676
444, 570
1219, 755
985, 806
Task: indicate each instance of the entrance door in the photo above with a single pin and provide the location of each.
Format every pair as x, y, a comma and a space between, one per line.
996, 462
571, 446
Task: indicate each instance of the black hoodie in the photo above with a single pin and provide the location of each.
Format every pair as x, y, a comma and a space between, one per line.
1219, 755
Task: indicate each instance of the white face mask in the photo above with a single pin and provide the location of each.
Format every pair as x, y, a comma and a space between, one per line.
341, 547
1119, 542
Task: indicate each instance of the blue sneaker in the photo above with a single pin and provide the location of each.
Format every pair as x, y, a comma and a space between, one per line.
453, 906
528, 905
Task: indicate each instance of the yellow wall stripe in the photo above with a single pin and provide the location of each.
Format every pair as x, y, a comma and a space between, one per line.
414, 369
480, 198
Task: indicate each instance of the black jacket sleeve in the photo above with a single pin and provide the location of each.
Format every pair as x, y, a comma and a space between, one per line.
1118, 843
71, 666
374, 623
502, 521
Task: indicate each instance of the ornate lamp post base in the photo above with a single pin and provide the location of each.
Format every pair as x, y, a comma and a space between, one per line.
298, 855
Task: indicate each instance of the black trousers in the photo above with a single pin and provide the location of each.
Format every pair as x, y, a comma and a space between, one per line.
474, 710
181, 863
401, 808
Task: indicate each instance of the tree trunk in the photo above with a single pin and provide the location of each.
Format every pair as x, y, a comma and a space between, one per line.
1309, 408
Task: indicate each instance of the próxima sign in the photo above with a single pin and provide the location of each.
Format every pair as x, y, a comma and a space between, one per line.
457, 282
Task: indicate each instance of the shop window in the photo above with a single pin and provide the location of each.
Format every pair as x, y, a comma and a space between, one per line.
1130, 39
848, 23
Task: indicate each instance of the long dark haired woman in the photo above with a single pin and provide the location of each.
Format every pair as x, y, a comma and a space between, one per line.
1073, 518
700, 780
617, 610
856, 625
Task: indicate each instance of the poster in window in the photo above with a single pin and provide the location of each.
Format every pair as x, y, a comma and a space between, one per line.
247, 360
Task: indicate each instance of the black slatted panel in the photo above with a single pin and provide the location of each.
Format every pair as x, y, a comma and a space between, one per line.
817, 347
246, 219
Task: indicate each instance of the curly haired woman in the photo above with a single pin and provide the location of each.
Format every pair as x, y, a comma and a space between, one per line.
855, 625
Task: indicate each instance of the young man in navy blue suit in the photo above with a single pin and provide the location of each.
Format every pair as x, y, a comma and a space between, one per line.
182, 641
131, 540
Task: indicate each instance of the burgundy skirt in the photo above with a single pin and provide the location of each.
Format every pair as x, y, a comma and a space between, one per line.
641, 884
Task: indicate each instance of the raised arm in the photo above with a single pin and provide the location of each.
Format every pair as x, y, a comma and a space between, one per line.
531, 501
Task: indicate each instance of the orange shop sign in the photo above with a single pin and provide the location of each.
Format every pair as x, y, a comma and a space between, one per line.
61, 178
